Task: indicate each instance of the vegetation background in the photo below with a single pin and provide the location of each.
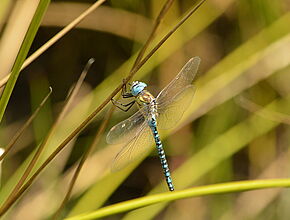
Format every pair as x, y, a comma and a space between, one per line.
237, 127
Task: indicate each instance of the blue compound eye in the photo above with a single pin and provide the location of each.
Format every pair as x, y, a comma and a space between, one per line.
137, 87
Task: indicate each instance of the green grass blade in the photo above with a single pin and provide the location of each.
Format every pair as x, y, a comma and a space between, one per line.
188, 193
22, 54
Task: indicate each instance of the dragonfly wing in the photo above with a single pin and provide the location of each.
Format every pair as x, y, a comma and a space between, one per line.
183, 79
140, 145
126, 130
177, 95
169, 113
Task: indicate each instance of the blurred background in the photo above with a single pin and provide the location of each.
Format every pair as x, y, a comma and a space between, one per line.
237, 127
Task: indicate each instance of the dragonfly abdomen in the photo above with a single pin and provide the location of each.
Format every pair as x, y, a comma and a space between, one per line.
153, 125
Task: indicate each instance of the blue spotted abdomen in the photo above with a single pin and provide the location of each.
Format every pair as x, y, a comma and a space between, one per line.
153, 125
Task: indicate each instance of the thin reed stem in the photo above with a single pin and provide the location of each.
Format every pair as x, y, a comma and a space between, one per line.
83, 159
26, 124
41, 147
157, 23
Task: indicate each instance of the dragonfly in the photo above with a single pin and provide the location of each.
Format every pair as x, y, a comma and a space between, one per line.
162, 112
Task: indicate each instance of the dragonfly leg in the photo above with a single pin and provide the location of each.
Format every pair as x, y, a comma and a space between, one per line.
124, 93
123, 107
127, 95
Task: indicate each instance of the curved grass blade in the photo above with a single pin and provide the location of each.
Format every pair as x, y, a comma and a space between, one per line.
188, 193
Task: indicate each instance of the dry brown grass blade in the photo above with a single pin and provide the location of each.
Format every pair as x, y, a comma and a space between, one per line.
95, 142
7, 204
158, 21
162, 41
106, 19
75, 90
54, 39
41, 147
26, 124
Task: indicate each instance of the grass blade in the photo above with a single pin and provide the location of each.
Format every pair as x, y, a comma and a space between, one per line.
188, 193
22, 54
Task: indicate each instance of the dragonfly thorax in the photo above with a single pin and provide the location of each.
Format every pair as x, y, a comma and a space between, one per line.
137, 87
145, 98
142, 96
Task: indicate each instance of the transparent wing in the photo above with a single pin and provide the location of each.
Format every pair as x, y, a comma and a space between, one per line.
140, 145
173, 100
183, 79
170, 112
126, 130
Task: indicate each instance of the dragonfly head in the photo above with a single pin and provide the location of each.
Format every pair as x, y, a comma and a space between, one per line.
137, 87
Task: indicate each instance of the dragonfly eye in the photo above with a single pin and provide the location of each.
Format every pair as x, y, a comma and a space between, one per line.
137, 87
